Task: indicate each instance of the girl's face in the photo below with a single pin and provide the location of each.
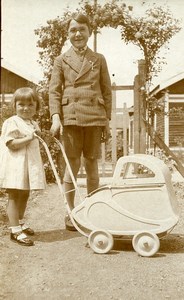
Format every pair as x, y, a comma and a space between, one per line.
78, 34
25, 109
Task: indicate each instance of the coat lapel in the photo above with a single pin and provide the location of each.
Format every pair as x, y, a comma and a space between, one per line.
70, 58
87, 65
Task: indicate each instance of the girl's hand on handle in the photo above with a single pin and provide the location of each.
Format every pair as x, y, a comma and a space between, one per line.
37, 133
19, 143
30, 136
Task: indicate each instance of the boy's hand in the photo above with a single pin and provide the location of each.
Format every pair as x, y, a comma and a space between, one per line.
56, 127
106, 133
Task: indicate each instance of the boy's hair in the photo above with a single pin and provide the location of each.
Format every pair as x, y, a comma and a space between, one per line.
80, 18
26, 93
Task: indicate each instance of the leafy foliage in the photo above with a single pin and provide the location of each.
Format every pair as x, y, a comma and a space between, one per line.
56, 157
43, 119
150, 33
51, 40
6, 111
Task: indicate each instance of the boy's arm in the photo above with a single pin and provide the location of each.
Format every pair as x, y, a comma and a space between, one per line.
55, 88
55, 95
105, 84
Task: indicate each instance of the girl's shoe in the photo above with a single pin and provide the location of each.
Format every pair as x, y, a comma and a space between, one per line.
28, 231
21, 238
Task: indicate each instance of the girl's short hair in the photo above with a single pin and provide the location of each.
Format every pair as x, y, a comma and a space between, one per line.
26, 93
80, 18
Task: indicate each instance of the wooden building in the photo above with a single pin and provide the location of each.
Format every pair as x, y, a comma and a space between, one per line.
170, 121
12, 79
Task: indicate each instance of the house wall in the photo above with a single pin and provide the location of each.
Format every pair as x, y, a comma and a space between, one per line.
176, 125
160, 125
174, 134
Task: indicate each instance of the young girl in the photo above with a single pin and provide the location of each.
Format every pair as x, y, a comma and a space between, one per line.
21, 168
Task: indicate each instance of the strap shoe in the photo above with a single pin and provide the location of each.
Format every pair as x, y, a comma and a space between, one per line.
21, 239
28, 231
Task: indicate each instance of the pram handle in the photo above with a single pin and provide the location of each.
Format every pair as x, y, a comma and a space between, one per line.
58, 179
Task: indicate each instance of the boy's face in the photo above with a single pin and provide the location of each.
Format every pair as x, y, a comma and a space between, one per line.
78, 34
25, 109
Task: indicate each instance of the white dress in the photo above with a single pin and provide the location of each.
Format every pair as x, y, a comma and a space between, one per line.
23, 168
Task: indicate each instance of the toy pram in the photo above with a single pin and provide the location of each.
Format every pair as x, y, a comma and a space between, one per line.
139, 205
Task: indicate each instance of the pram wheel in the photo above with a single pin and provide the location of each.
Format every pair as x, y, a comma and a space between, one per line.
100, 241
146, 243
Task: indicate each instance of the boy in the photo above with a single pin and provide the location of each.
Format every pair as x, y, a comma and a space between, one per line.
80, 102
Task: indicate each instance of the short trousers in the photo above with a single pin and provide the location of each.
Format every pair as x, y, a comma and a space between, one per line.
82, 140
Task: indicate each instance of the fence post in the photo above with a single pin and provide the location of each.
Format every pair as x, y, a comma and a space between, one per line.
125, 127
113, 126
139, 109
142, 81
136, 116
166, 118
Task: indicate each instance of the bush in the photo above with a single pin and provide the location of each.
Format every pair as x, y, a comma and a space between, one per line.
6, 111
56, 157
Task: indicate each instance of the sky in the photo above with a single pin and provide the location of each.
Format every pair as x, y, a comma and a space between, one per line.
18, 42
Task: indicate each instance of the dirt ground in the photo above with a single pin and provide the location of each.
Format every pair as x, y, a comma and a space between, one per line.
60, 266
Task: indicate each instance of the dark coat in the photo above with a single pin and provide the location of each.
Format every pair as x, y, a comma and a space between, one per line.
80, 91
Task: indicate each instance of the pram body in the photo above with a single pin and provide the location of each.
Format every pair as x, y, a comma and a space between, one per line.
139, 204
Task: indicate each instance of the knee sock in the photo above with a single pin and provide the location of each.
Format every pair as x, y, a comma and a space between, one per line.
15, 229
22, 224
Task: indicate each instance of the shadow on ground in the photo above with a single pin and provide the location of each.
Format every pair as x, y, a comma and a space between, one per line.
51, 236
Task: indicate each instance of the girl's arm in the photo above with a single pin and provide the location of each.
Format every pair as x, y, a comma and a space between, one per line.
19, 143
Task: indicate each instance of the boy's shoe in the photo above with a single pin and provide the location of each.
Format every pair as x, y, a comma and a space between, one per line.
21, 238
28, 231
68, 224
